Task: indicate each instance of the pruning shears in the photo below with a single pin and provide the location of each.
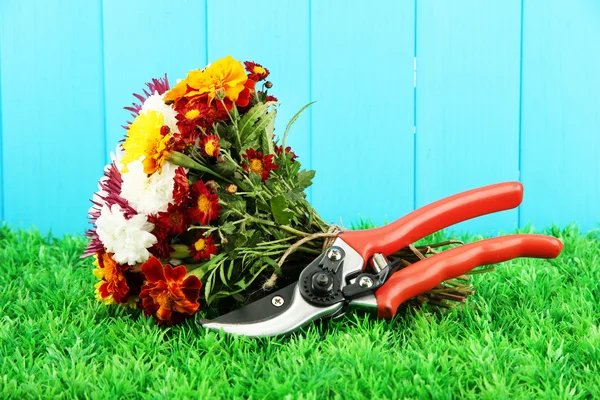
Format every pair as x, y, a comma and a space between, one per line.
354, 272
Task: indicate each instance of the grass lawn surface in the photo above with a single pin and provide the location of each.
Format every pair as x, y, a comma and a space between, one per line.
530, 331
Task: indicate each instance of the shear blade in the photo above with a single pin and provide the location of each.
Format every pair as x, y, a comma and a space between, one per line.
281, 312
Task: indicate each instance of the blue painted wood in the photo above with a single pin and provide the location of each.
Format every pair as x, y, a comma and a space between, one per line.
362, 123
67, 68
276, 35
467, 102
52, 112
144, 39
561, 113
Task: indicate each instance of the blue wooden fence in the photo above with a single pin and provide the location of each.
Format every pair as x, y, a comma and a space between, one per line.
416, 99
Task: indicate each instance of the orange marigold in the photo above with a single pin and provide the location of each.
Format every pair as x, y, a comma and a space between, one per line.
113, 284
168, 294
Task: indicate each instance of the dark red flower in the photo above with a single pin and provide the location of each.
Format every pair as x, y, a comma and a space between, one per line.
162, 248
288, 150
205, 205
203, 247
181, 188
173, 221
256, 71
168, 294
259, 163
191, 115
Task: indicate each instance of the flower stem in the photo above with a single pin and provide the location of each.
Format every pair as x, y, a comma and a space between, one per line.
271, 223
181, 251
182, 160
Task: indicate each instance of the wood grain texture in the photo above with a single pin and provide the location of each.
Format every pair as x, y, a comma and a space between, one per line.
276, 35
561, 113
52, 112
467, 105
362, 123
144, 39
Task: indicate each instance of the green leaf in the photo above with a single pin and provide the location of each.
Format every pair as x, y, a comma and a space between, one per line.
294, 196
225, 168
272, 263
249, 120
228, 228
294, 118
305, 179
280, 211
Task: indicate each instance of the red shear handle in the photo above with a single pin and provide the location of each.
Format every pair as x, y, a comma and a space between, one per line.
434, 217
427, 274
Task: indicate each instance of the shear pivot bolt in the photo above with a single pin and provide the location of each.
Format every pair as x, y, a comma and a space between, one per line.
277, 301
334, 254
365, 282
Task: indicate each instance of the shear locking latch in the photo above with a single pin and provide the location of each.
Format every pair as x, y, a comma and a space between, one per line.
366, 283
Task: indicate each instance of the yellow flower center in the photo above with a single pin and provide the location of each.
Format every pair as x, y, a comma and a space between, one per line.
192, 114
210, 148
257, 166
204, 204
200, 244
259, 70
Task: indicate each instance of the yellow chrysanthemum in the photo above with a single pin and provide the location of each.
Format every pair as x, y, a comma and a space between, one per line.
144, 138
225, 74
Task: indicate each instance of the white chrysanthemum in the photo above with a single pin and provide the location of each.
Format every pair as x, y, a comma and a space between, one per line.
148, 194
127, 239
156, 103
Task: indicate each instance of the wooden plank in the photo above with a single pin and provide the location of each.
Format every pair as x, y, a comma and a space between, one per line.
52, 112
560, 114
362, 123
278, 38
144, 39
468, 63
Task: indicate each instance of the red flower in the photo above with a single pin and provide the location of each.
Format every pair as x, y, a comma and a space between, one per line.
168, 294
172, 222
256, 71
162, 248
205, 205
210, 145
259, 163
113, 284
203, 247
288, 150
181, 188
198, 113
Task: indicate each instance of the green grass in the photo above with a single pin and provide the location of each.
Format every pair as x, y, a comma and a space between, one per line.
531, 331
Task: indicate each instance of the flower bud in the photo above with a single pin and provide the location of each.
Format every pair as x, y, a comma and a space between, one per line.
211, 185
220, 159
224, 240
165, 130
231, 189
220, 94
268, 84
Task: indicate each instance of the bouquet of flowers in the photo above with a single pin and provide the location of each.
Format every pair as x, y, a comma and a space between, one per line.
203, 204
